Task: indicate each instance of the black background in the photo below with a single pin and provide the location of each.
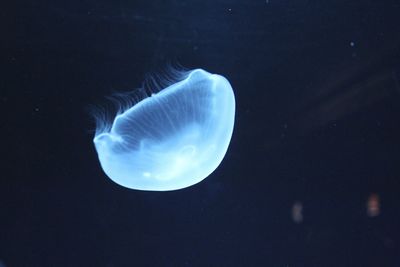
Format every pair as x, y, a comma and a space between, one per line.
318, 104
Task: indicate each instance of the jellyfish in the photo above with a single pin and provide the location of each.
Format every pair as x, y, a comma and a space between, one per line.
171, 139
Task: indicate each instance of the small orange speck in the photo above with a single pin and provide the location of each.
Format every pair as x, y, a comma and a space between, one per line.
373, 205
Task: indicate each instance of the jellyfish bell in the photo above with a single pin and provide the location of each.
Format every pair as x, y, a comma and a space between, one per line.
172, 139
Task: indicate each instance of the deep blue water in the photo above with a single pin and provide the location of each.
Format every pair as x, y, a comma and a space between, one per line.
317, 88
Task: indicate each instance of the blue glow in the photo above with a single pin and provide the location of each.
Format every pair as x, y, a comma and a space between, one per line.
172, 139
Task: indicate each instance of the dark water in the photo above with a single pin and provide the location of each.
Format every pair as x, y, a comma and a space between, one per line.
316, 139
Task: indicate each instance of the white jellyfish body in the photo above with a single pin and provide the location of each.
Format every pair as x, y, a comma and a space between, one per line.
172, 139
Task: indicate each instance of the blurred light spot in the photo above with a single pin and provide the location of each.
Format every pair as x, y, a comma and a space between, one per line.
373, 205
297, 212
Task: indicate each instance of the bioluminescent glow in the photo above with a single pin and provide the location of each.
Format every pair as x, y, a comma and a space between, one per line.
172, 139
